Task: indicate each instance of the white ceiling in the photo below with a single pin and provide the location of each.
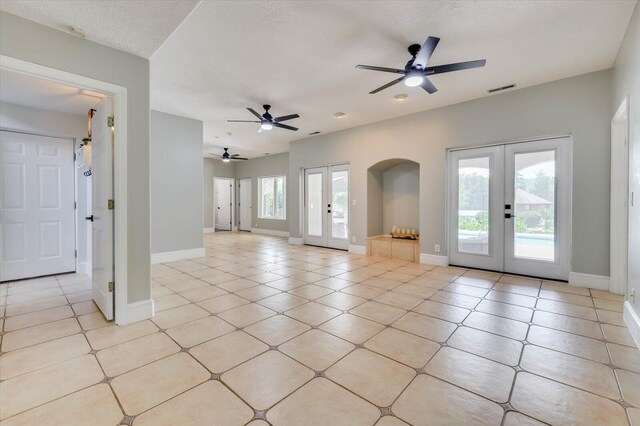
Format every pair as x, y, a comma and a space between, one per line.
300, 57
22, 89
138, 27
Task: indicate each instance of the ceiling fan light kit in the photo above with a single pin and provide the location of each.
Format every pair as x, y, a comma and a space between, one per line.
416, 70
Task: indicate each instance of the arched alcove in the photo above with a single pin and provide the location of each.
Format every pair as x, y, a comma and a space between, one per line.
393, 196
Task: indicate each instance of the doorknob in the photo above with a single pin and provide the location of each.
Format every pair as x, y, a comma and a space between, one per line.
509, 215
89, 218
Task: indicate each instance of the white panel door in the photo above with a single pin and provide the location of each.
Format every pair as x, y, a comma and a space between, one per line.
326, 204
37, 224
223, 189
102, 215
245, 204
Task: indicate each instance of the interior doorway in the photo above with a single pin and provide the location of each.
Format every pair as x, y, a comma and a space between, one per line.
326, 206
223, 201
114, 290
619, 243
510, 207
245, 206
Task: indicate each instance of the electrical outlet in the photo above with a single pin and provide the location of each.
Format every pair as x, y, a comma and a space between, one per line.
632, 296
436, 248
353, 239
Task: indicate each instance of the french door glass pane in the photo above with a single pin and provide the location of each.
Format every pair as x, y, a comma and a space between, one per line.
473, 205
279, 197
268, 207
339, 204
314, 204
535, 206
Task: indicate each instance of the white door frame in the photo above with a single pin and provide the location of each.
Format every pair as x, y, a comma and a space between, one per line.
233, 199
239, 205
327, 219
119, 95
569, 190
619, 214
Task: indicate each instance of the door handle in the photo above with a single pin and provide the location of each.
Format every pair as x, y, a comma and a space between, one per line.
509, 215
89, 218
328, 211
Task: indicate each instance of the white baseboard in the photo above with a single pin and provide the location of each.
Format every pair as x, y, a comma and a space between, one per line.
434, 259
357, 249
632, 320
209, 230
139, 311
296, 241
597, 282
172, 256
270, 232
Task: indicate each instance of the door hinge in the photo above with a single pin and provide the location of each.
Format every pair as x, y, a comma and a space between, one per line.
74, 156
75, 205
110, 204
76, 254
110, 121
111, 286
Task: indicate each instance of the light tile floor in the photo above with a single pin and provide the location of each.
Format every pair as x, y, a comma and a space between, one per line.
260, 332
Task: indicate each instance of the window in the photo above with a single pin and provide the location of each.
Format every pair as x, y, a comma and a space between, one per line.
271, 197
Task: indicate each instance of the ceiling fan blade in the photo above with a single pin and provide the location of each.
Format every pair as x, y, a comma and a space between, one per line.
252, 111
284, 126
425, 52
287, 117
440, 69
239, 158
243, 121
387, 85
383, 69
235, 155
428, 86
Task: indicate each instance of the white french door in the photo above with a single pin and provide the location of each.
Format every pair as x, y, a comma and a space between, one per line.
510, 208
326, 206
102, 205
37, 224
244, 204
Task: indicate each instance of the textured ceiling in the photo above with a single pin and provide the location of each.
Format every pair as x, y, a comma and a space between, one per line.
22, 89
300, 57
135, 26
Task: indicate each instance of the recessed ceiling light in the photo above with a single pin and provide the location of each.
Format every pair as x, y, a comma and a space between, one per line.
339, 114
400, 96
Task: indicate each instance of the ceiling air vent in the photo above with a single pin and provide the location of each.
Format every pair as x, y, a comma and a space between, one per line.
499, 89
314, 133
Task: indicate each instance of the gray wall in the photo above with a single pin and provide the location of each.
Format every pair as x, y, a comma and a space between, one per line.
213, 168
626, 82
176, 183
28, 41
271, 165
579, 105
401, 197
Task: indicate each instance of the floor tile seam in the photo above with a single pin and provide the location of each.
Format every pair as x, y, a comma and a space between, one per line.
81, 331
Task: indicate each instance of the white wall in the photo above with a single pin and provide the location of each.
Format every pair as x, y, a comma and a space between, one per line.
401, 197
626, 83
52, 123
176, 183
32, 42
580, 106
